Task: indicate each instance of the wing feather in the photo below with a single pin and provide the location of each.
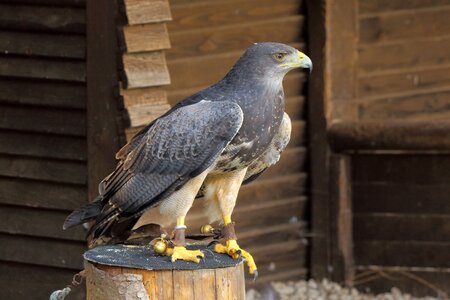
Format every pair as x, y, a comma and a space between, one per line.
176, 148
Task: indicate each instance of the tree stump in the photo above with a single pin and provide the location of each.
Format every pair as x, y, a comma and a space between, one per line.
135, 272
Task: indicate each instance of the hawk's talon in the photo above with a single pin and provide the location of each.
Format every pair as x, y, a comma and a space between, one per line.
232, 249
179, 252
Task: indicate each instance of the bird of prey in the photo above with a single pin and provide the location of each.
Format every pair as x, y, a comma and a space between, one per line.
209, 144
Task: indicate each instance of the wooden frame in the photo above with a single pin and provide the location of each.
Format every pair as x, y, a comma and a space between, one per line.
318, 154
103, 110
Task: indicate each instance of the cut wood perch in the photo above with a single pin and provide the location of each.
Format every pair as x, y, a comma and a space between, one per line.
124, 272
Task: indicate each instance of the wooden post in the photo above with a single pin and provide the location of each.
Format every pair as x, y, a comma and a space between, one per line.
132, 272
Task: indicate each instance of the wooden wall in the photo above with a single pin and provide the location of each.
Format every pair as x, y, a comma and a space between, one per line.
401, 220
403, 60
392, 57
387, 67
42, 144
207, 37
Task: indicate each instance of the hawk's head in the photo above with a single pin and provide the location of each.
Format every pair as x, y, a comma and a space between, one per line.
275, 58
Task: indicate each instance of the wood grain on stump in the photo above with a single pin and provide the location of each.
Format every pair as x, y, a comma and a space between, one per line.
123, 272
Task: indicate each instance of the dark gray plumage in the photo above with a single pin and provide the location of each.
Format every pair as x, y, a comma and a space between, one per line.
230, 126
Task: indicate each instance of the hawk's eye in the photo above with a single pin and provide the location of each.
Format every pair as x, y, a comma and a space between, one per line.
279, 56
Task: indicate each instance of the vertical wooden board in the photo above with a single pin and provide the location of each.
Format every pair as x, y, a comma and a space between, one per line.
341, 58
150, 281
147, 11
223, 284
204, 284
145, 69
146, 37
183, 288
104, 131
164, 287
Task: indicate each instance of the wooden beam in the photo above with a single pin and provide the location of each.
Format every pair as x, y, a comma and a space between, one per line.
317, 142
102, 91
341, 233
392, 135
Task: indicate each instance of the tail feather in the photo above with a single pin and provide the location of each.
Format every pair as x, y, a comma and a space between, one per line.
84, 214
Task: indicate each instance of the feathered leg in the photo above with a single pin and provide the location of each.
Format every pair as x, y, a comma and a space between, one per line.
222, 191
176, 207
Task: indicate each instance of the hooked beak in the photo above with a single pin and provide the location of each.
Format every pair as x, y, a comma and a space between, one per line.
305, 61
301, 60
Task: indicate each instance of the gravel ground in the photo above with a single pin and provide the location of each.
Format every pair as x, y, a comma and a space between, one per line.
324, 290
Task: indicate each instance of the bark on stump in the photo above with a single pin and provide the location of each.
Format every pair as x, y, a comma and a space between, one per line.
121, 272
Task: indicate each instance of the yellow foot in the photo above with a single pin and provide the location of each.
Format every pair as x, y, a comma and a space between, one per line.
232, 249
179, 252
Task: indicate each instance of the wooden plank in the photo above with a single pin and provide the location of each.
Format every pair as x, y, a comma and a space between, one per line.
44, 146
385, 86
43, 252
404, 55
40, 44
341, 219
30, 168
43, 93
30, 193
151, 95
145, 37
406, 280
40, 68
38, 223
398, 197
147, 11
224, 39
401, 227
400, 253
42, 18
429, 106
145, 69
401, 168
201, 14
67, 122
40, 281
377, 6
412, 25
105, 130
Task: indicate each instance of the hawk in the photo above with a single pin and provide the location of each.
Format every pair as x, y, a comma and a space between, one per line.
207, 145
